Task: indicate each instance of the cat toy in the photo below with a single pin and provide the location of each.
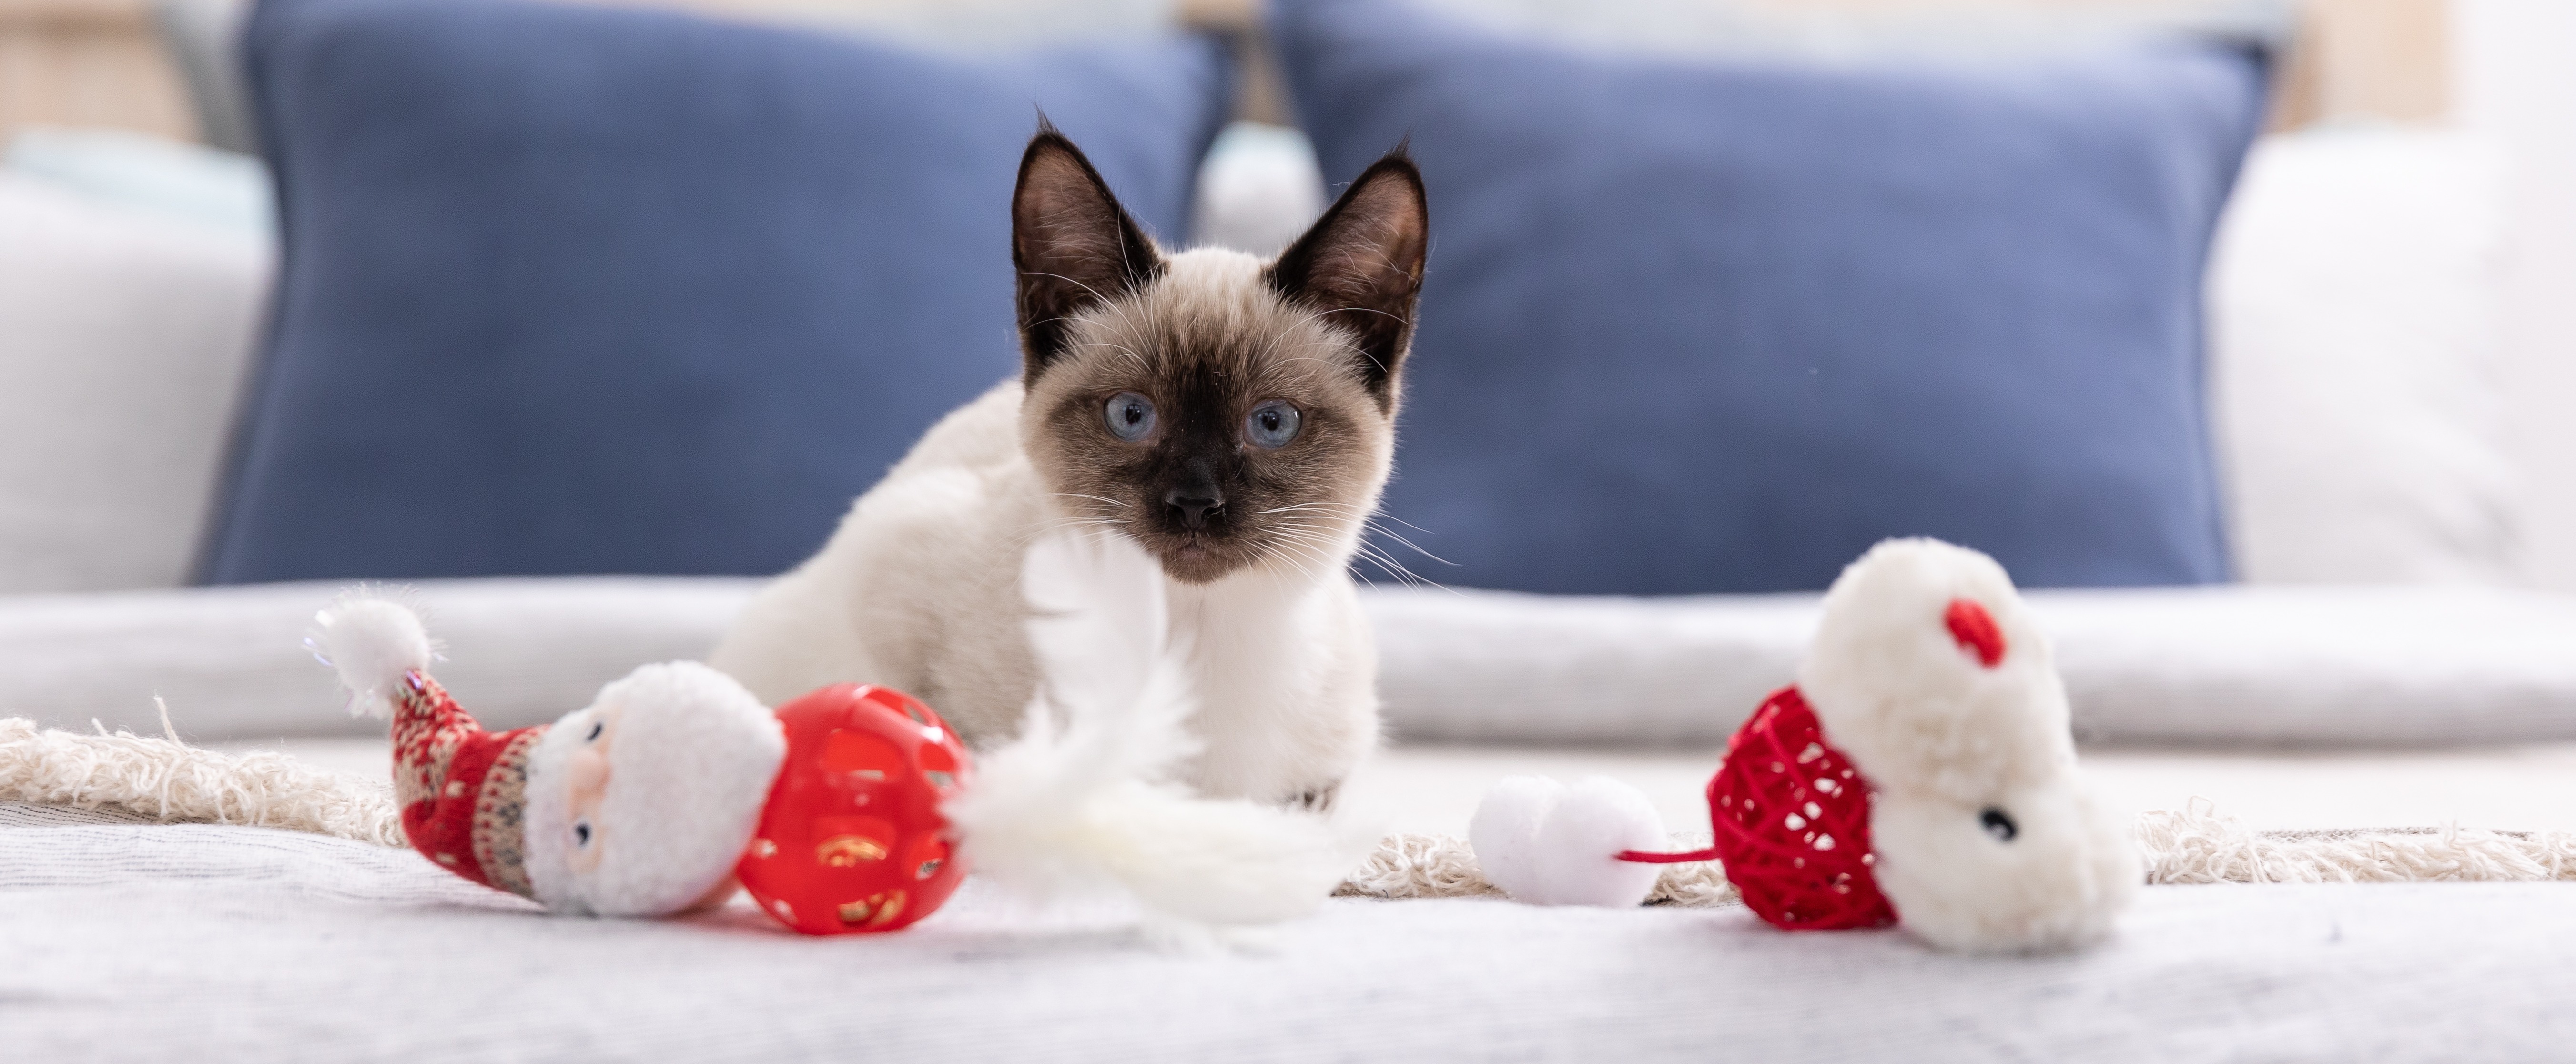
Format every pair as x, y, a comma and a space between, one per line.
853, 809
1920, 773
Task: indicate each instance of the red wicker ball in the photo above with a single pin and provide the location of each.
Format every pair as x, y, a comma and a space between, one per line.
852, 840
1791, 816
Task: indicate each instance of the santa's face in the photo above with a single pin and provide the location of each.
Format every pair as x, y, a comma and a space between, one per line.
586, 775
669, 766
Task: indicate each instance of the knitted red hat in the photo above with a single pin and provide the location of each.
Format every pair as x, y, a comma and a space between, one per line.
463, 790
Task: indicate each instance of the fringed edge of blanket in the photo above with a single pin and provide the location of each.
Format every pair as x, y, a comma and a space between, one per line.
164, 780
2194, 846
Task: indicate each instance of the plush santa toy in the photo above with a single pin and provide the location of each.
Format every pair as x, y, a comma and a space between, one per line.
1921, 772
852, 809
635, 805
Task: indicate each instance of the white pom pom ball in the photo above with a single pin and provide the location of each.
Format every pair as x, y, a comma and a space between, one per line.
372, 640
1545, 843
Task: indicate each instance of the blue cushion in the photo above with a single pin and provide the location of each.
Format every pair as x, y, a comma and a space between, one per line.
580, 289
1699, 325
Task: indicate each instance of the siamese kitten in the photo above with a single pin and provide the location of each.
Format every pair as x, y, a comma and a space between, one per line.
1235, 417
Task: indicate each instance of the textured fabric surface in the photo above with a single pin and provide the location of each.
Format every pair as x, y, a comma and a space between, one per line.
124, 337
1719, 325
249, 944
231, 661
2400, 666
2393, 666
579, 289
15, 814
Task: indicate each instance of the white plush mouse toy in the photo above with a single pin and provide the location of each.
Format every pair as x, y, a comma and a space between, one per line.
1921, 772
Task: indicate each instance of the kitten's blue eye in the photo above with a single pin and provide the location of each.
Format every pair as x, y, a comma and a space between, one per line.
1130, 416
1272, 424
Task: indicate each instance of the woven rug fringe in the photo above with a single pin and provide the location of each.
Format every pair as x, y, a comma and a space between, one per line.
162, 779
166, 780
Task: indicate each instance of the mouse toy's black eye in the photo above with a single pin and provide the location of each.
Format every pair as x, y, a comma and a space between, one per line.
1130, 416
596, 727
581, 834
1998, 825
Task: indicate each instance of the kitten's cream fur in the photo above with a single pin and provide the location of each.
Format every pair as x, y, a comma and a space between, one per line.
919, 590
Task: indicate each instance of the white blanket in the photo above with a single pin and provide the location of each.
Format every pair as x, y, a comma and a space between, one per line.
202, 943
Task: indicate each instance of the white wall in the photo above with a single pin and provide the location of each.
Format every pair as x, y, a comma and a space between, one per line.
2517, 74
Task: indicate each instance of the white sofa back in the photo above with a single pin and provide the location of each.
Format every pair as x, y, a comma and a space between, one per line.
124, 337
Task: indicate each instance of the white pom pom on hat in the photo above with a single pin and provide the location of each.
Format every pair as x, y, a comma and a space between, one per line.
371, 638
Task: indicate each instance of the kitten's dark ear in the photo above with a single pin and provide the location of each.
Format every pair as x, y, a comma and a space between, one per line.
1074, 246
1361, 265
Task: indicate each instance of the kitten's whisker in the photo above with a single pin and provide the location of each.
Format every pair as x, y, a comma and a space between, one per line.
1292, 558
1300, 551
1308, 540
1036, 532
1378, 556
1323, 502
1373, 526
1405, 523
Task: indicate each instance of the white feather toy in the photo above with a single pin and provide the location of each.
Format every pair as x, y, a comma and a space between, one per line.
1084, 799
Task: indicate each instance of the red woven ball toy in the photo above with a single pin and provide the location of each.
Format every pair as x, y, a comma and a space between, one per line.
852, 840
1792, 821
1791, 817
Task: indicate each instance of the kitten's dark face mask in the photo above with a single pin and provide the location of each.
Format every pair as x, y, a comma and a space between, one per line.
1224, 412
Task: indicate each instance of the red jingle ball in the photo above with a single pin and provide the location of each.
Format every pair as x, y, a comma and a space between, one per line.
1791, 816
852, 840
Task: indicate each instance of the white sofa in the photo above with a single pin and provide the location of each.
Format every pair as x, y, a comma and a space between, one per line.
2376, 505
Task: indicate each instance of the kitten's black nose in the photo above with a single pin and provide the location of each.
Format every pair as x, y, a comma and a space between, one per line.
1194, 503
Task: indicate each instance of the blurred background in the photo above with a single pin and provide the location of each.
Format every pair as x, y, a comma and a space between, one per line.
140, 106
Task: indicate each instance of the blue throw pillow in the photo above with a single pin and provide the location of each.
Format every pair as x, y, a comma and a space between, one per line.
580, 289
1700, 325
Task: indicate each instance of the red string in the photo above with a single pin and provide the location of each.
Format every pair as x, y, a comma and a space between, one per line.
1791, 816
1645, 857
